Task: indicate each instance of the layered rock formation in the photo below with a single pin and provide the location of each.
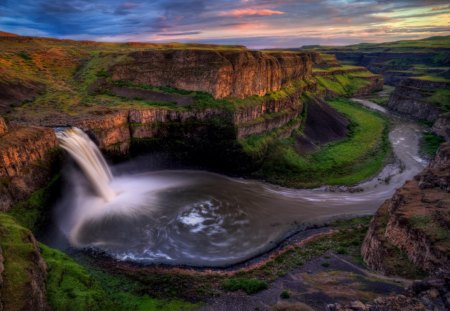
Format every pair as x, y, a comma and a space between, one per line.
222, 73
415, 222
393, 65
26, 154
412, 98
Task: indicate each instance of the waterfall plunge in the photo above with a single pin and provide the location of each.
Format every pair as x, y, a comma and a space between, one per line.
89, 158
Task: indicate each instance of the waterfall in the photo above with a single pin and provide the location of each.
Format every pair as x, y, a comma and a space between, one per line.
86, 154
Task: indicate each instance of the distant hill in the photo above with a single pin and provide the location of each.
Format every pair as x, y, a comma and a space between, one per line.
8, 34
436, 42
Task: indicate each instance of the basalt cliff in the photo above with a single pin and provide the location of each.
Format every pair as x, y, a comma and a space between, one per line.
219, 73
415, 223
423, 99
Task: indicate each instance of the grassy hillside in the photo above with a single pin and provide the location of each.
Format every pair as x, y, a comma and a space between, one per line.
60, 73
422, 45
356, 158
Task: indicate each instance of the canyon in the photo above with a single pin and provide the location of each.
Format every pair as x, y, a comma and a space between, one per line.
274, 103
220, 108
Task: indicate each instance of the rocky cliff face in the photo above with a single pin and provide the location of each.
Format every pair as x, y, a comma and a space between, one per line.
25, 157
3, 127
416, 222
442, 127
412, 98
393, 65
109, 130
222, 73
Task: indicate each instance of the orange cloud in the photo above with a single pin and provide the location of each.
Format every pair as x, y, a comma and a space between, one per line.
249, 12
440, 8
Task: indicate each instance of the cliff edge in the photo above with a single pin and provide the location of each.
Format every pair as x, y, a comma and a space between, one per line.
414, 224
221, 73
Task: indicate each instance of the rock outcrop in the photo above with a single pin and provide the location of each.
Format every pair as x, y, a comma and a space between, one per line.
221, 73
323, 125
416, 222
429, 294
395, 66
26, 154
412, 98
24, 270
109, 130
442, 127
3, 126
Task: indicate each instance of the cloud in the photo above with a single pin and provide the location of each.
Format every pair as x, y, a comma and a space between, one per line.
174, 34
249, 12
126, 7
440, 8
256, 23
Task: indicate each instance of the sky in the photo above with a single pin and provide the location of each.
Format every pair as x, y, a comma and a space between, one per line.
254, 23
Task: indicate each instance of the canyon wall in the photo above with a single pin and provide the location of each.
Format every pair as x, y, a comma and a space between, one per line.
415, 222
221, 73
394, 65
442, 127
26, 154
412, 97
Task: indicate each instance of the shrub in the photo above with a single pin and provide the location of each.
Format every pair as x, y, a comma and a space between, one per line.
285, 294
250, 286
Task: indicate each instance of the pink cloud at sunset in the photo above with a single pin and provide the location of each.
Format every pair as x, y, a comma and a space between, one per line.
254, 23
249, 12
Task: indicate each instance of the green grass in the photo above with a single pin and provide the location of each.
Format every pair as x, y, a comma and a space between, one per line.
431, 228
357, 158
257, 145
343, 84
18, 253
285, 294
30, 212
71, 286
202, 100
441, 98
248, 285
430, 144
433, 79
